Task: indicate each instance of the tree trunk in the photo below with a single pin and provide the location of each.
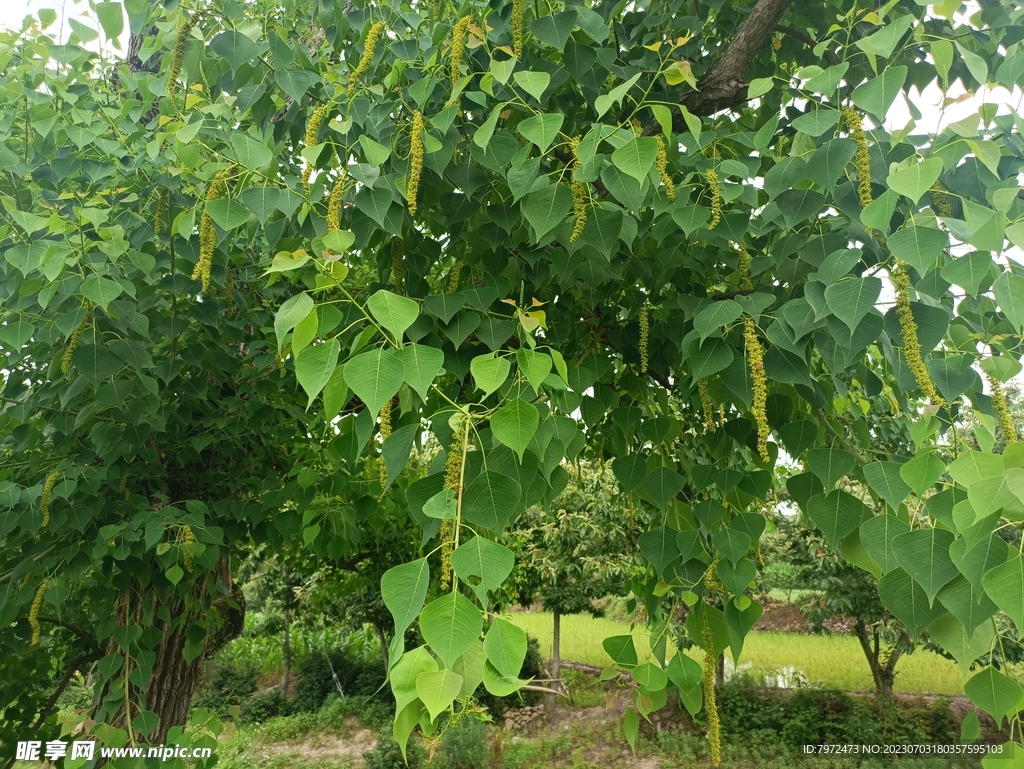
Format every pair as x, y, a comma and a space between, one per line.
286, 674
883, 672
556, 659
720, 671
383, 646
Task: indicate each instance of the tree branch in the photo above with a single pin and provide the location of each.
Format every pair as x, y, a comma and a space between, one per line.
73, 665
840, 439
78, 631
803, 37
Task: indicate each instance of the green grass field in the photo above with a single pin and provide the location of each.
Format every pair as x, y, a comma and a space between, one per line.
831, 661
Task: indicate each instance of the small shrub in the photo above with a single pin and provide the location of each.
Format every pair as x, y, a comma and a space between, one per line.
357, 676
386, 754
231, 685
260, 708
465, 746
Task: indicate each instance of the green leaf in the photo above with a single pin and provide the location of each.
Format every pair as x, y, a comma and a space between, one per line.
973, 466
919, 247
374, 152
971, 607
403, 589
396, 450
489, 372
965, 646
853, 298
817, 121
828, 80
878, 94
975, 64
395, 313
227, 214
250, 153
621, 649
660, 548
716, 315
235, 48
499, 685
883, 42
968, 271
709, 357
907, 601
534, 83
836, 514
505, 645
923, 471
547, 208
799, 435
994, 692
829, 465
483, 565
421, 366
450, 625
515, 424
878, 213
375, 377
554, 30
111, 17
636, 157
759, 87
438, 690
976, 560
404, 673
1009, 293
924, 555
650, 676
885, 480
731, 543
290, 314
915, 181
1004, 584
662, 484
542, 129
629, 470
314, 367
101, 291
534, 365
490, 500
96, 363
295, 82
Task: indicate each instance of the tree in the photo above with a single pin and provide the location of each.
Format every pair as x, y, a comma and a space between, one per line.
576, 550
675, 220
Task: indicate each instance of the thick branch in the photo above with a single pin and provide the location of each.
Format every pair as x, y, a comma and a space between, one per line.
803, 37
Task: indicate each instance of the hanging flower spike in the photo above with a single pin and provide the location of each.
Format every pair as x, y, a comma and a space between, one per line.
759, 380
716, 198
707, 406
863, 158
33, 612
312, 129
518, 6
661, 163
385, 431
459, 47
398, 265
416, 162
908, 327
369, 48
645, 333
178, 56
44, 498
708, 685
76, 338
744, 268
207, 233
579, 194
1003, 416
453, 482
334, 204
940, 200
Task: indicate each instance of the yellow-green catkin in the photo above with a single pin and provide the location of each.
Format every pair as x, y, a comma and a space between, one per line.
940, 200
459, 47
415, 162
453, 482
1003, 416
518, 6
645, 334
312, 129
123, 490
385, 431
369, 47
715, 188
862, 160
579, 194
708, 685
161, 210
177, 57
661, 163
44, 498
76, 338
908, 327
706, 406
33, 612
454, 277
398, 265
759, 381
188, 538
437, 11
334, 204
207, 233
744, 268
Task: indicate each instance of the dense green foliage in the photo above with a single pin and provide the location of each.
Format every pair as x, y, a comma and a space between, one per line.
662, 235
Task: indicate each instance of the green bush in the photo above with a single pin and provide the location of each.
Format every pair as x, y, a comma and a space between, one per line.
260, 708
386, 754
231, 684
465, 746
358, 676
533, 665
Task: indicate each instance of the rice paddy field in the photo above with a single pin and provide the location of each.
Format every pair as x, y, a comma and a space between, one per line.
834, 661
